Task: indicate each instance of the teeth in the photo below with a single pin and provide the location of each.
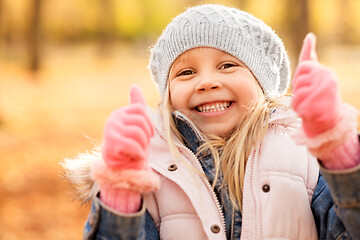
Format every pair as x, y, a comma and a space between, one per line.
214, 107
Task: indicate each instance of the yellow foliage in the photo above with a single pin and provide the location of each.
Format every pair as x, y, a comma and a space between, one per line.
135, 18
129, 16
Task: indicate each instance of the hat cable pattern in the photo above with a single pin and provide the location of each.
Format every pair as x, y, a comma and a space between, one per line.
230, 30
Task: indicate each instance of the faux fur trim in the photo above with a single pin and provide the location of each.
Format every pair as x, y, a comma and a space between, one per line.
346, 127
142, 181
79, 173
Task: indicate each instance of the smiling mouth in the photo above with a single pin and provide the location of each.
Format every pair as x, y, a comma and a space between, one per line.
213, 107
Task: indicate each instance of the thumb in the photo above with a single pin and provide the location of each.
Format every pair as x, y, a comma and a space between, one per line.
136, 95
308, 51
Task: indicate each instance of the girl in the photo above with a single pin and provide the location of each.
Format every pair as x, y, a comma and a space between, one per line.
217, 161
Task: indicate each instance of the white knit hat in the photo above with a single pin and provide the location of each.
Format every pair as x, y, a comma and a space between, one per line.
228, 29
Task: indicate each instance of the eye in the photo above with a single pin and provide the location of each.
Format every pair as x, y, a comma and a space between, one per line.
185, 72
228, 65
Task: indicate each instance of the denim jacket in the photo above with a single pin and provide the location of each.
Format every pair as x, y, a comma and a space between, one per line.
335, 205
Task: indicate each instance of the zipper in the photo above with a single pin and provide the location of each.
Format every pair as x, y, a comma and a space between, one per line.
252, 186
209, 187
202, 171
232, 224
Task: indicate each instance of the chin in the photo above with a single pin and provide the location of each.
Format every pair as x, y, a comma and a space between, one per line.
221, 133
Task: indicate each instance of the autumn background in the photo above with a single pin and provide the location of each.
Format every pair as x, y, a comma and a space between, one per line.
65, 65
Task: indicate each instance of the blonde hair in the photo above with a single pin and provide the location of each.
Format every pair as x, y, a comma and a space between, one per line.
230, 153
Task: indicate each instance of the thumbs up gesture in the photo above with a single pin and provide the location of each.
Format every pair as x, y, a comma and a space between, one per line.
329, 124
124, 174
127, 134
316, 95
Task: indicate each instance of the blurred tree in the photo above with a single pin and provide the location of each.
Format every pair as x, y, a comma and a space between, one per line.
1, 14
297, 24
241, 4
302, 25
1, 35
343, 28
2, 24
106, 25
192, 3
34, 35
6, 26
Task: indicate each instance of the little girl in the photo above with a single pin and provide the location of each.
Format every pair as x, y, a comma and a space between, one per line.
219, 160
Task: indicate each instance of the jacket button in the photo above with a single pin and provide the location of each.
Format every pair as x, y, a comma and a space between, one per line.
266, 188
215, 228
172, 167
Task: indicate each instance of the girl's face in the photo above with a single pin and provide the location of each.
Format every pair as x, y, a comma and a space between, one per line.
213, 89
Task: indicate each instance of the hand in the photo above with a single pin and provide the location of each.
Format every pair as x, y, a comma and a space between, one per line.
127, 134
316, 95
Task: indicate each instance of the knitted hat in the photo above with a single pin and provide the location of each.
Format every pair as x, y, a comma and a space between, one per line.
230, 30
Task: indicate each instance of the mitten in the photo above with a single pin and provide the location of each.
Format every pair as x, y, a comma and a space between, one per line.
124, 175
329, 126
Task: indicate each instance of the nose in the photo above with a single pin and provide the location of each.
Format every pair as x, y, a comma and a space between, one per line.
207, 83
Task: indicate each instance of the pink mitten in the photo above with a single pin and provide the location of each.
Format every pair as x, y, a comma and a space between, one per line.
316, 96
124, 173
127, 134
317, 101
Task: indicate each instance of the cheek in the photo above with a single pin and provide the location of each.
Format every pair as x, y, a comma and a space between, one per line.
251, 94
175, 96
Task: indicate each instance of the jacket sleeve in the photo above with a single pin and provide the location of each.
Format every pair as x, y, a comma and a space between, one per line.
336, 204
105, 223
